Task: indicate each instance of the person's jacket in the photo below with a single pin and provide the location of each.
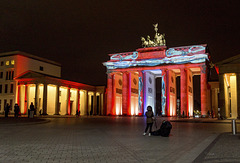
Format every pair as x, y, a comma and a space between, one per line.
149, 115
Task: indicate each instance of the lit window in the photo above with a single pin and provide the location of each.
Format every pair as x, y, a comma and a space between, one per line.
12, 62
7, 63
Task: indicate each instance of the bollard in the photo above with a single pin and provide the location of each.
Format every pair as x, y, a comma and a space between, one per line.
234, 127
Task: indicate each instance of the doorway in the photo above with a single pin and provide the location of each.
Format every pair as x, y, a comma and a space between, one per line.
158, 110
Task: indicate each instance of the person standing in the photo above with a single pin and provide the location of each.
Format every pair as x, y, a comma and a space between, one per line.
16, 110
6, 109
31, 111
150, 116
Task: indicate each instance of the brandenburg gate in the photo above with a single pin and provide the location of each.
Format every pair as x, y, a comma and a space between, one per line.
131, 78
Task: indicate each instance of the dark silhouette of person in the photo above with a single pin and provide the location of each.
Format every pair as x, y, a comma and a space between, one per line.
6, 109
16, 110
31, 109
150, 116
165, 128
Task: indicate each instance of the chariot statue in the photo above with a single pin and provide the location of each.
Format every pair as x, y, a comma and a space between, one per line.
159, 39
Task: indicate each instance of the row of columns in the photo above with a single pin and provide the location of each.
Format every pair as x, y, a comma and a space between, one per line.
203, 88
45, 98
126, 93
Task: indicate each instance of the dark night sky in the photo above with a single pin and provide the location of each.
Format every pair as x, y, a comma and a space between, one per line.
80, 33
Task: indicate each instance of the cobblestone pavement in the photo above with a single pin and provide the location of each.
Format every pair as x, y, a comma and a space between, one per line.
225, 148
105, 139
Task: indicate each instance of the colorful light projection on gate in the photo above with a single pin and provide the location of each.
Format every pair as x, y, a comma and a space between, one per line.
191, 54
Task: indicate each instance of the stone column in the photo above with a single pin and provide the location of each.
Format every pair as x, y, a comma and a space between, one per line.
36, 98
204, 108
87, 104
18, 95
109, 93
26, 100
113, 110
57, 101
222, 97
144, 92
167, 93
183, 91
140, 77
125, 94
68, 101
164, 92
238, 95
78, 100
94, 103
45, 99
129, 94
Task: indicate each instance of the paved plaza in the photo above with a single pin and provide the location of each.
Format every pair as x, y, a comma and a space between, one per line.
115, 139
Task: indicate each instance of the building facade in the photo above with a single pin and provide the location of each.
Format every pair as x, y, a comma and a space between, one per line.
229, 85
25, 78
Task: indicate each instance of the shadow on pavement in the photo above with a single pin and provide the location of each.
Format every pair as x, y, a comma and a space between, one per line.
22, 121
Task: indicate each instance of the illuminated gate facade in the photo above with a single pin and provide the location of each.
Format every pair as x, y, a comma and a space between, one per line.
131, 80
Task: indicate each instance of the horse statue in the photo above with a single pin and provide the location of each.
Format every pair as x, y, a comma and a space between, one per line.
144, 42
159, 39
150, 42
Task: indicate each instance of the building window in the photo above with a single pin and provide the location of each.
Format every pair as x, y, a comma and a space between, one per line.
7, 75
12, 75
5, 102
0, 88
6, 88
41, 68
7, 63
2, 63
1, 75
11, 88
12, 62
11, 104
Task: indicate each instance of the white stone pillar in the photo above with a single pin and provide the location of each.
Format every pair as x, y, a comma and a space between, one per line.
45, 99
36, 104
57, 101
68, 101
77, 101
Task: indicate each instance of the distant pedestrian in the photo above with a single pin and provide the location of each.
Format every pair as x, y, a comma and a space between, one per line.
6, 109
32, 107
212, 113
150, 118
183, 114
208, 114
16, 110
31, 111
77, 113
